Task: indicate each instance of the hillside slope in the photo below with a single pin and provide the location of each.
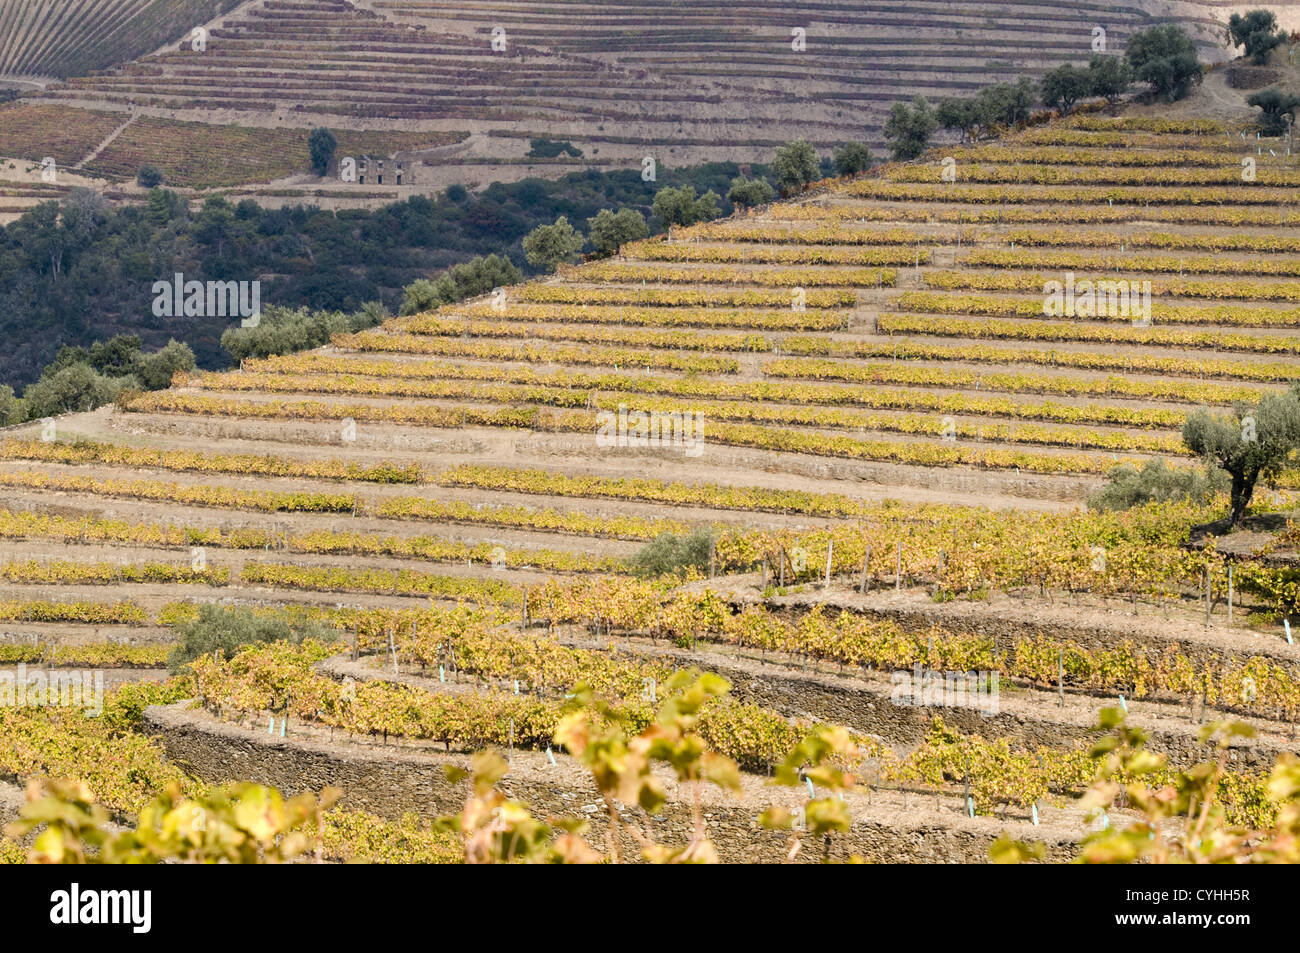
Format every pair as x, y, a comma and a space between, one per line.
872, 406
44, 39
685, 84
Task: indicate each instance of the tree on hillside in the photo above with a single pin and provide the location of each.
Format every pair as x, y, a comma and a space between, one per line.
156, 370
1064, 86
795, 166
286, 330
321, 144
477, 276
12, 409
148, 176
958, 115
609, 231
852, 158
548, 245
1249, 443
78, 387
747, 193
1256, 31
909, 128
1164, 57
682, 207
1275, 106
1110, 76
1006, 104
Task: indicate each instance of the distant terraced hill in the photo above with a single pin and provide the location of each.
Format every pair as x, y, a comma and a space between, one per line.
696, 82
646, 69
60, 38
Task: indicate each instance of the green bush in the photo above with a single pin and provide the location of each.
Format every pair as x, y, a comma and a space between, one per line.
12, 410
219, 629
550, 148
149, 177
669, 553
852, 158
157, 369
1127, 487
73, 389
285, 330
748, 193
321, 145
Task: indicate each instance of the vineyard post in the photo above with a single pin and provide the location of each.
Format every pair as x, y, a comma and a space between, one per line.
712, 557
1060, 678
866, 558
830, 548
527, 590
898, 569
1229, 593
1209, 589
356, 641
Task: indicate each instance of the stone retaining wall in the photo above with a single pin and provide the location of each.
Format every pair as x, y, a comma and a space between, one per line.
392, 781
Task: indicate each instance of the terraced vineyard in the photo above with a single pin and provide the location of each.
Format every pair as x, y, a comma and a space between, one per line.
704, 82
877, 415
49, 38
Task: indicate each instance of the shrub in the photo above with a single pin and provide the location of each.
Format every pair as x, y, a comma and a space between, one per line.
72, 389
1127, 486
284, 331
12, 410
219, 629
148, 176
669, 553
747, 193
551, 148
477, 276
852, 158
1275, 106
155, 370
321, 145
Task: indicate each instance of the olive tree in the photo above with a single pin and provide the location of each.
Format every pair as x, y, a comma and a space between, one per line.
548, 245
1252, 442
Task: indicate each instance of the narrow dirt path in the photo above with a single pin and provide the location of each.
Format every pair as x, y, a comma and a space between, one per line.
94, 153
